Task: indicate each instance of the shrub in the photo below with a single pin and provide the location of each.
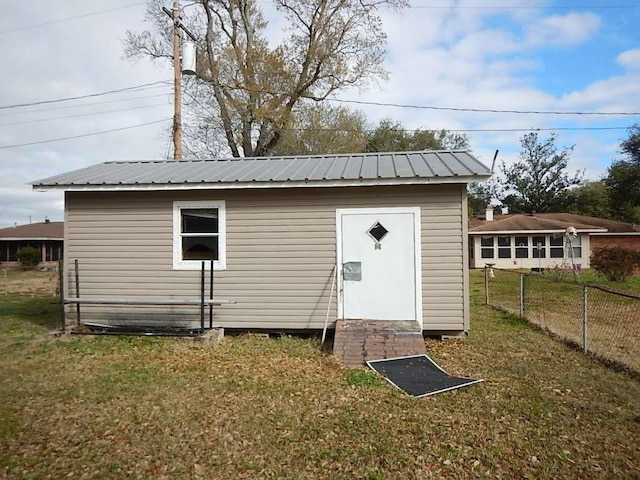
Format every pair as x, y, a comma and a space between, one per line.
615, 263
29, 256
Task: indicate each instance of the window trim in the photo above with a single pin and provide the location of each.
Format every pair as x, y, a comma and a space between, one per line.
520, 249
577, 247
542, 253
178, 262
488, 248
505, 248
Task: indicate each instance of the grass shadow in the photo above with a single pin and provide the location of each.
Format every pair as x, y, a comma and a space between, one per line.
40, 311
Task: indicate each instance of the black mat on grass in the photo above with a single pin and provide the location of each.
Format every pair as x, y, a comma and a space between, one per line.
418, 375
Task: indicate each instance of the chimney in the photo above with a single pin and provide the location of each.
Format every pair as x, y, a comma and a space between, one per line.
488, 214
46, 220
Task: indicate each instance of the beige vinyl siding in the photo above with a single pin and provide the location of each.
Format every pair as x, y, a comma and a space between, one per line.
281, 248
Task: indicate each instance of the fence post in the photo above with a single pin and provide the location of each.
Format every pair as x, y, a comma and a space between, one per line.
585, 318
77, 272
5, 282
486, 285
522, 296
61, 291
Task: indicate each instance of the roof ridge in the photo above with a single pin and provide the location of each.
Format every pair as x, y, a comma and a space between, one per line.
326, 156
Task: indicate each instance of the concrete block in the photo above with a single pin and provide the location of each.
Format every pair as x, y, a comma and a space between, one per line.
210, 336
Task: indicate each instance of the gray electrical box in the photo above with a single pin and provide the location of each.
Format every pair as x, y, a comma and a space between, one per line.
352, 271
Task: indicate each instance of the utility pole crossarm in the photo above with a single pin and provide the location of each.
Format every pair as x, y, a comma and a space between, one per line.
179, 23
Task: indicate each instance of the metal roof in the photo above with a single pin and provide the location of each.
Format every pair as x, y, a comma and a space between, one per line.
291, 171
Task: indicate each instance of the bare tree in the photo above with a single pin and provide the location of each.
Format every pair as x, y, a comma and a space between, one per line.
319, 128
248, 88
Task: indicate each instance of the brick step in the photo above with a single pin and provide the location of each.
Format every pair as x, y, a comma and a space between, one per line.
358, 341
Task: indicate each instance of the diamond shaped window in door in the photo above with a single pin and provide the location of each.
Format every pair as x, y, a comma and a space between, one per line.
377, 232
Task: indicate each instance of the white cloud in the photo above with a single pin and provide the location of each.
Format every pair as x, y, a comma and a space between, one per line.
569, 29
459, 57
630, 59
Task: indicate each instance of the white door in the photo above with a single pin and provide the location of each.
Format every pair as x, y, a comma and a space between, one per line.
379, 260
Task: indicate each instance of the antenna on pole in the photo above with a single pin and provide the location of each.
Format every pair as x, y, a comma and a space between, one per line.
493, 164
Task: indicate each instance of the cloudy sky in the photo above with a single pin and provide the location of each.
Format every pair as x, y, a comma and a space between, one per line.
456, 55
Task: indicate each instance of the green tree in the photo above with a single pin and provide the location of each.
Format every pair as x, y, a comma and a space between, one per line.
29, 256
539, 179
390, 136
623, 179
249, 88
591, 199
480, 196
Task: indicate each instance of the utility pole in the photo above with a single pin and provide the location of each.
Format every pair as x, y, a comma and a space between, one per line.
177, 85
174, 14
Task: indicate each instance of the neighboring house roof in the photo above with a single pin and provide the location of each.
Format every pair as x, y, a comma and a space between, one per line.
34, 231
271, 172
549, 222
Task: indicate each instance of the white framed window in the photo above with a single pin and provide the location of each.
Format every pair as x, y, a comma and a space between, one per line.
522, 247
556, 246
538, 246
486, 247
199, 234
504, 247
576, 244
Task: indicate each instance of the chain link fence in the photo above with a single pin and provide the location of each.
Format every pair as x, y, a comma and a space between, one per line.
601, 321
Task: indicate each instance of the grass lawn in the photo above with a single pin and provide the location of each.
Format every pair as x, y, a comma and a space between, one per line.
613, 320
250, 407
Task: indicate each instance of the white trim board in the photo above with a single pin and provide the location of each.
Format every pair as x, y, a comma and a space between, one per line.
362, 182
221, 263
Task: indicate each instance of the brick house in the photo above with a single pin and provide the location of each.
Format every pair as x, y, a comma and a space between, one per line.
48, 237
538, 240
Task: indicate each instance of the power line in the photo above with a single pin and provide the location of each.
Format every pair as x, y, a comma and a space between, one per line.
523, 7
470, 130
4, 147
40, 120
60, 20
431, 107
463, 130
85, 104
479, 110
534, 129
43, 102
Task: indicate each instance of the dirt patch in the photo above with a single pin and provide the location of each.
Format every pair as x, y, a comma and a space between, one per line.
28, 282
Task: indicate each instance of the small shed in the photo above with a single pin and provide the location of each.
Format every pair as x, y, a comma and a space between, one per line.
276, 230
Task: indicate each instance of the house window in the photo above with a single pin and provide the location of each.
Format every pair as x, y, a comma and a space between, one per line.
522, 247
486, 247
539, 247
12, 252
504, 247
576, 244
52, 252
556, 246
199, 235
